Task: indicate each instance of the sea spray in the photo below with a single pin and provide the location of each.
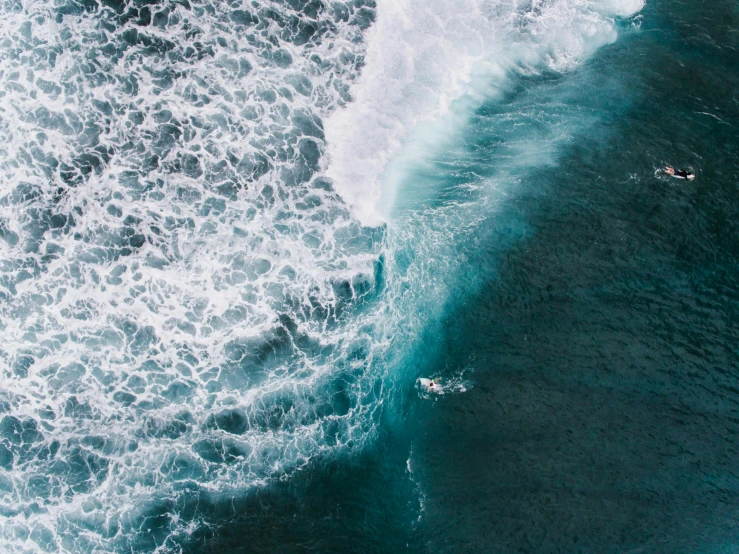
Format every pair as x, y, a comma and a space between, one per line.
430, 64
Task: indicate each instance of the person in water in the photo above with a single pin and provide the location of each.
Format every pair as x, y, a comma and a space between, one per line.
679, 173
434, 386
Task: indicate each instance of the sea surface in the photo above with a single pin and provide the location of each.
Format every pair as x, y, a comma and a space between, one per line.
236, 233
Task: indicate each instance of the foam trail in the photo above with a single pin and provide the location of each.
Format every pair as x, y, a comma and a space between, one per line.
429, 63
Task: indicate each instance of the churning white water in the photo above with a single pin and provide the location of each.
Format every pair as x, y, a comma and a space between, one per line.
190, 301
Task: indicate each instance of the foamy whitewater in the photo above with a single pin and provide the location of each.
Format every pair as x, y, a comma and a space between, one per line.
203, 286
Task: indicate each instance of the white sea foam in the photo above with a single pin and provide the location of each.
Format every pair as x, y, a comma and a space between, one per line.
428, 63
174, 276
188, 308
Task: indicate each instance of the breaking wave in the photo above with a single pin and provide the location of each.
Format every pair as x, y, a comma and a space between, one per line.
195, 294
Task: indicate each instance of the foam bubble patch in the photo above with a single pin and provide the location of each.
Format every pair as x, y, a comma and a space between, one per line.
178, 282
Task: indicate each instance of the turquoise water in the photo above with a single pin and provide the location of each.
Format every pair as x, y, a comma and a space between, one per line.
234, 235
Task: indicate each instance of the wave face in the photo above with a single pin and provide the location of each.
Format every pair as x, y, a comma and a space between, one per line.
430, 63
191, 302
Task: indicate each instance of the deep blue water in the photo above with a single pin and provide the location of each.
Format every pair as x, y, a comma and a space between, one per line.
210, 346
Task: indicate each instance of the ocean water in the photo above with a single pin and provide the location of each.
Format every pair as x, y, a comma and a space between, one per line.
234, 234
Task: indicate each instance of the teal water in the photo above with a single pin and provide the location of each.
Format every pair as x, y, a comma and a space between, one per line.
603, 411
210, 346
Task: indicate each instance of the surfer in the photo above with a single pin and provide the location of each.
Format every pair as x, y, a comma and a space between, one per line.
679, 173
430, 385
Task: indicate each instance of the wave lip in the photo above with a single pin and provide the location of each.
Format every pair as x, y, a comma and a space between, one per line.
428, 63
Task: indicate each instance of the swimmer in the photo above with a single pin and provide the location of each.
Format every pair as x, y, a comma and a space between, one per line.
430, 385
679, 173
